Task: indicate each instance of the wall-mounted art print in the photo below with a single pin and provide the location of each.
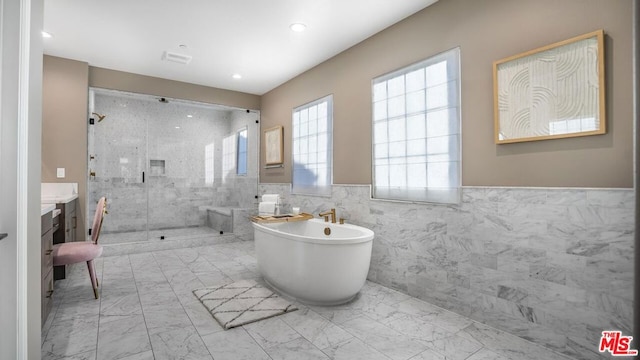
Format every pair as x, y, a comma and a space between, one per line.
556, 91
273, 146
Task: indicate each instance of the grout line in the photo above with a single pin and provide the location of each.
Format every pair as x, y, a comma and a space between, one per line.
178, 297
144, 318
101, 284
264, 350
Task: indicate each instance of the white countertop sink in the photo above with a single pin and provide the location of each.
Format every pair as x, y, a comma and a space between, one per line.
58, 199
45, 208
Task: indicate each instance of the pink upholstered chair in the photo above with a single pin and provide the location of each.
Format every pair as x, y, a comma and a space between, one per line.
75, 252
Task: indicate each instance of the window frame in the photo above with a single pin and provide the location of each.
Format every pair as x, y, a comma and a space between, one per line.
298, 190
443, 195
246, 152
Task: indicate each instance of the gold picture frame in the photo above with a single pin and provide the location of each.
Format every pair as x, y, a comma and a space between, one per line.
274, 146
556, 91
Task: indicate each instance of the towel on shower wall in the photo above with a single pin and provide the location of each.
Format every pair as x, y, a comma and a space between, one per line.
274, 198
266, 208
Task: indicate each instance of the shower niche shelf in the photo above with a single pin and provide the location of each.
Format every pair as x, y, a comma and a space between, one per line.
156, 167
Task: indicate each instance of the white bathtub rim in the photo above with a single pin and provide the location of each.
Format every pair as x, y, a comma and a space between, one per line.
367, 235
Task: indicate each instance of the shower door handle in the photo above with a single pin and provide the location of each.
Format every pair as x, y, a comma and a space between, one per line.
143, 177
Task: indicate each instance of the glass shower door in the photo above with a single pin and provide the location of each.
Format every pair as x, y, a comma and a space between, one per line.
182, 141
171, 169
117, 165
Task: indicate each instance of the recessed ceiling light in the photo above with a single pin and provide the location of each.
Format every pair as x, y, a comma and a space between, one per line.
236, 76
46, 35
189, 116
177, 127
298, 27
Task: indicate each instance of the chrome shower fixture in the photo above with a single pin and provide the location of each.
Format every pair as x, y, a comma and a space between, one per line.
100, 116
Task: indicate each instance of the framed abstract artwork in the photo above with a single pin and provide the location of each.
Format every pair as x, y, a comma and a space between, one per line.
273, 146
556, 91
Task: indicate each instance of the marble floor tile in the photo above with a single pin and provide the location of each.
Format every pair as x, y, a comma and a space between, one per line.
89, 355
419, 329
384, 339
120, 303
77, 310
429, 355
336, 314
214, 278
201, 266
159, 319
271, 332
295, 350
319, 331
507, 345
79, 292
146, 355
122, 336
485, 354
384, 313
47, 325
147, 311
353, 349
454, 347
151, 288
234, 344
71, 337
242, 275
114, 284
183, 343
383, 294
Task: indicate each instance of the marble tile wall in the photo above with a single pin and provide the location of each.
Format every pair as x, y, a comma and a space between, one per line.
168, 142
553, 266
236, 221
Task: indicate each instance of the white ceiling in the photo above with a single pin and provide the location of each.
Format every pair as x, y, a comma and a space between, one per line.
248, 37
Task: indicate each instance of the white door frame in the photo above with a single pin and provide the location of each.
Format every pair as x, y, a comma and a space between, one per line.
23, 177
20, 163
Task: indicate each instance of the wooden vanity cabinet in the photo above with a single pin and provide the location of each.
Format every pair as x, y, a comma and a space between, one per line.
66, 233
46, 264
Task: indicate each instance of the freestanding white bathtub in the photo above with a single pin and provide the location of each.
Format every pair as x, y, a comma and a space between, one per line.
300, 261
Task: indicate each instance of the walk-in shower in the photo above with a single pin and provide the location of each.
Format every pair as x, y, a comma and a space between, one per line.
168, 168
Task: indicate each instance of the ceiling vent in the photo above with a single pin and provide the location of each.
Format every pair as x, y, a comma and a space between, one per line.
176, 58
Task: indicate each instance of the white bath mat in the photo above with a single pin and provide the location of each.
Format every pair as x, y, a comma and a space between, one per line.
242, 302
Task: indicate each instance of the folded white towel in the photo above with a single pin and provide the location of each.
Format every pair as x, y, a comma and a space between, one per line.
266, 208
274, 198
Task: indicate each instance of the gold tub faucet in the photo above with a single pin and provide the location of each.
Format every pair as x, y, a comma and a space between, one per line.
326, 214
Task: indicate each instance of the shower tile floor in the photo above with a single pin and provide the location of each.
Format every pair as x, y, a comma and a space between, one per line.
146, 311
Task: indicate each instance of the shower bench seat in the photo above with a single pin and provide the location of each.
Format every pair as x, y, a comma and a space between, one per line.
228, 219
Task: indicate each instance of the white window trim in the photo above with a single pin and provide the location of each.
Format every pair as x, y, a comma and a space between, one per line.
455, 195
299, 191
246, 128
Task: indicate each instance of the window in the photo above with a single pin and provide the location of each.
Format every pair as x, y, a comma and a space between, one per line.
416, 131
312, 147
242, 152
